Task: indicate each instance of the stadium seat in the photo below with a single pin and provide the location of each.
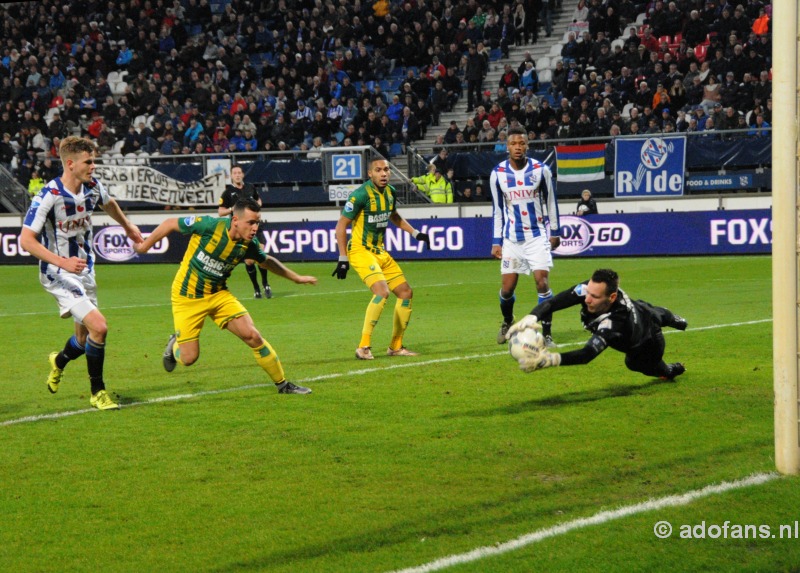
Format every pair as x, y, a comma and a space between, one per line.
555, 49
678, 37
395, 149
700, 52
554, 62
113, 76
119, 88
543, 63
626, 111
545, 75
641, 18
618, 42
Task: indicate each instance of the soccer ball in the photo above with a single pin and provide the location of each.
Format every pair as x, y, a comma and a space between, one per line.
526, 343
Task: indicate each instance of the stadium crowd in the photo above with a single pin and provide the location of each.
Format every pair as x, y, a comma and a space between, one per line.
183, 77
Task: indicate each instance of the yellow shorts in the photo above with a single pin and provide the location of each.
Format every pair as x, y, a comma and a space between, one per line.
373, 268
189, 314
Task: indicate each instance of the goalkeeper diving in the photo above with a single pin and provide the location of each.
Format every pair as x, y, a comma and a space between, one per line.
632, 327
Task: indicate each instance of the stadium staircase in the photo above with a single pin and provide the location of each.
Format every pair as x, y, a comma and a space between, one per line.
544, 48
13, 196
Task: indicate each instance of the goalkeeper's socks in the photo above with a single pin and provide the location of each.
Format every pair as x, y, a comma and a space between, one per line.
373, 314
72, 350
507, 307
251, 272
269, 361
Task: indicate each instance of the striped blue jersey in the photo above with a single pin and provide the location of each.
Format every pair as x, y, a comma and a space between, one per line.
63, 220
522, 201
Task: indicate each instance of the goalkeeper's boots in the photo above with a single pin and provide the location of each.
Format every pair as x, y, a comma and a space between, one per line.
675, 370
168, 358
548, 342
678, 322
103, 401
287, 387
402, 351
364, 353
54, 379
501, 336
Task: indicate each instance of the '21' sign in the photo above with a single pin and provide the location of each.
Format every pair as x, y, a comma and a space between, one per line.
346, 166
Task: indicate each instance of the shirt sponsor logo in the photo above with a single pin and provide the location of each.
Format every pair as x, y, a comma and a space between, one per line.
213, 266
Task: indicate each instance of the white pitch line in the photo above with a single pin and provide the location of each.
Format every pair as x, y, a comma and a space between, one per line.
333, 375
596, 519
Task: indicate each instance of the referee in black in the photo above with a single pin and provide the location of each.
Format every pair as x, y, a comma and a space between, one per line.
238, 189
632, 327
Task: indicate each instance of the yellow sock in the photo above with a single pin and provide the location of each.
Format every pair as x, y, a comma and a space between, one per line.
402, 314
269, 361
374, 310
176, 352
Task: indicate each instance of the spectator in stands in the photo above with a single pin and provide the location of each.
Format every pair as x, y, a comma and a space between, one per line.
759, 127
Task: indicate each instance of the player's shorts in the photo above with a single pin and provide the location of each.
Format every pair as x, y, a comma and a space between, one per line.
522, 258
76, 294
373, 268
189, 314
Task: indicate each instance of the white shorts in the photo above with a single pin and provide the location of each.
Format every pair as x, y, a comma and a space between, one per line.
76, 294
523, 258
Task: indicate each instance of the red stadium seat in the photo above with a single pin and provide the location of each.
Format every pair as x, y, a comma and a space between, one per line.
700, 52
677, 39
666, 39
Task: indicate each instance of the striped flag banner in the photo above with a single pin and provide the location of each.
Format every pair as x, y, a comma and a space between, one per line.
581, 162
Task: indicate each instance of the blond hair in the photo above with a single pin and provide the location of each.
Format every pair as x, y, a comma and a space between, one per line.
74, 145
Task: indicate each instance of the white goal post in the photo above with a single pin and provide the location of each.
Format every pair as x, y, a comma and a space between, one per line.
785, 239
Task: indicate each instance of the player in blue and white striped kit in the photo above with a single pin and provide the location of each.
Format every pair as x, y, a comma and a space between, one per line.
523, 199
58, 231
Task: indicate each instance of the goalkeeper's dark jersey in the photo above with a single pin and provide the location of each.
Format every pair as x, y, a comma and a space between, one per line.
626, 326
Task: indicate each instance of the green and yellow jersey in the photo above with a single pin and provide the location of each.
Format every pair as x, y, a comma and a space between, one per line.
370, 210
210, 256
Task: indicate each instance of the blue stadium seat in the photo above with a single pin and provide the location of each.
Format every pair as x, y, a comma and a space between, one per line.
395, 149
495, 54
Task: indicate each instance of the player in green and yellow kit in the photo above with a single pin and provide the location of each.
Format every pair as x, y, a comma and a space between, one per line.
200, 290
369, 209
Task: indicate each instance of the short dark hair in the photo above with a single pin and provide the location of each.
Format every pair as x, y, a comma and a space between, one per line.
246, 203
607, 276
517, 130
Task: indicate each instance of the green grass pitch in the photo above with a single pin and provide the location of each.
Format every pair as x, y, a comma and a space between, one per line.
397, 462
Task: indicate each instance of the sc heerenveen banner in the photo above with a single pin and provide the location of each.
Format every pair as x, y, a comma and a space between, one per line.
140, 183
652, 167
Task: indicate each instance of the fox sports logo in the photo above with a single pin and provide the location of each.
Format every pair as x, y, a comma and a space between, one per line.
578, 235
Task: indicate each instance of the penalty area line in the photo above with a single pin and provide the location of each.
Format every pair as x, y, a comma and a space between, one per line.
331, 376
596, 519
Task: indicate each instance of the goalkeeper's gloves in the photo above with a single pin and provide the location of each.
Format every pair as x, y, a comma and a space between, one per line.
341, 268
530, 321
543, 359
423, 237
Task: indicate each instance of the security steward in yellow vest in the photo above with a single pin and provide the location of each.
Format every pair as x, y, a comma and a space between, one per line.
435, 186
